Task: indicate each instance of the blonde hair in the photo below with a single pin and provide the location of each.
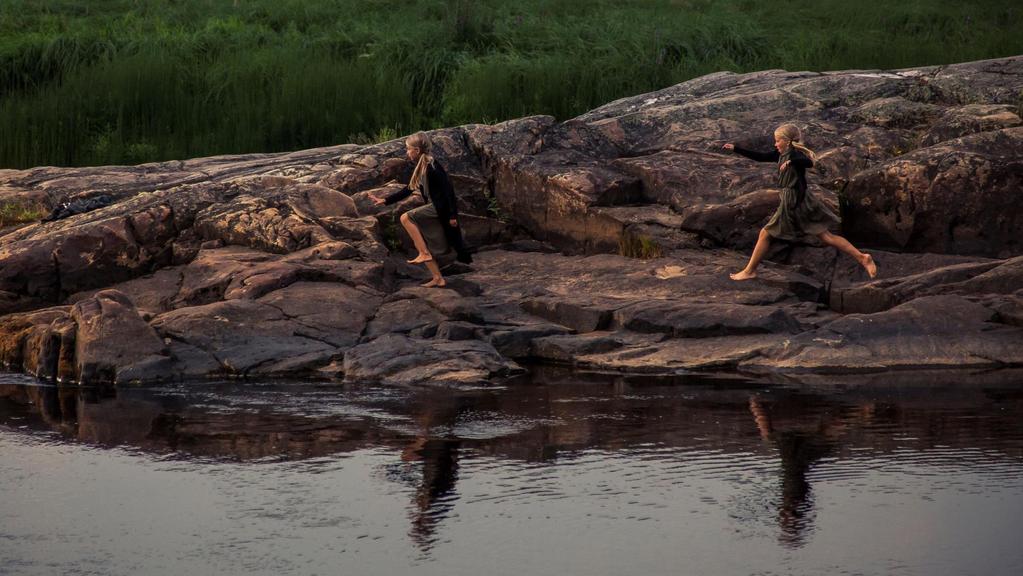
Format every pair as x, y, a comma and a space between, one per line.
420, 140
791, 133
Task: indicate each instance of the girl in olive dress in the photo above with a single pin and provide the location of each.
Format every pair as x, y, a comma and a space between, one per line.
800, 213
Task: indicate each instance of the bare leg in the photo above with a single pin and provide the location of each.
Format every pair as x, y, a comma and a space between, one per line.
438, 279
417, 240
750, 271
844, 245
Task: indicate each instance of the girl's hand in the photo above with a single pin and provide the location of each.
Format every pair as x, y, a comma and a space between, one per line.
729, 146
377, 200
783, 166
453, 222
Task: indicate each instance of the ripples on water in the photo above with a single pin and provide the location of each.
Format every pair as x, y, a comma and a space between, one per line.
557, 474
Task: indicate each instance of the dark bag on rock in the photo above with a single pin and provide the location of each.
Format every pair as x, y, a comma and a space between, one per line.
80, 206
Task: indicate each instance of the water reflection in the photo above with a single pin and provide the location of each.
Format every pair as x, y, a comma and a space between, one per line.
800, 443
781, 440
435, 451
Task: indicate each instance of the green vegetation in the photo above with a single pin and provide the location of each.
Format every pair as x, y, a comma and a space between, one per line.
639, 246
389, 231
494, 209
129, 81
15, 212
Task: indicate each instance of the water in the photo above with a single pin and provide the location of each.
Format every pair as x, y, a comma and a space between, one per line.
558, 473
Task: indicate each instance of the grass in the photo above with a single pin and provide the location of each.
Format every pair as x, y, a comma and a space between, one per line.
129, 81
639, 246
390, 231
16, 212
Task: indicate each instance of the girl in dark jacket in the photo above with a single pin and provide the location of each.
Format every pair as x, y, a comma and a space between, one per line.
433, 227
800, 213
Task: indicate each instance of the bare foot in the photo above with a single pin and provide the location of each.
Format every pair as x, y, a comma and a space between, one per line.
420, 259
743, 275
435, 283
868, 263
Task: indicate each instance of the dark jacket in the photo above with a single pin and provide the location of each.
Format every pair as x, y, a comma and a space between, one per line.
794, 176
442, 195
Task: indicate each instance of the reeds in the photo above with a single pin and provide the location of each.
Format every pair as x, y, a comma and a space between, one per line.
124, 81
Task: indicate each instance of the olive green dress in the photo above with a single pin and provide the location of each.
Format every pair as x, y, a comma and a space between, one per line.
800, 213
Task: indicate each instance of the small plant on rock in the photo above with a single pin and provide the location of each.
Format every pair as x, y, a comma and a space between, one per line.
14, 212
639, 246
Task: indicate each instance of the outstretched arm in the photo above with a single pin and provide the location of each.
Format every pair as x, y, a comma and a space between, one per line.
771, 156
398, 196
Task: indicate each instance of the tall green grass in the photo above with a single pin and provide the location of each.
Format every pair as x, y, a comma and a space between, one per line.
129, 81
15, 212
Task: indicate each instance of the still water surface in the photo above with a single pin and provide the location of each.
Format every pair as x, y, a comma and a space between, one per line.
556, 474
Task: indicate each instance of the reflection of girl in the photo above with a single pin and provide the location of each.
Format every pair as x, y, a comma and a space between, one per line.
800, 213
433, 227
798, 450
439, 459
804, 432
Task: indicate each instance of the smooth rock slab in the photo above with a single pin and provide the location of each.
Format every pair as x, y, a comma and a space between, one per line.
929, 332
687, 274
241, 335
401, 360
570, 347
404, 316
582, 314
333, 313
697, 320
973, 276
111, 337
152, 294
653, 355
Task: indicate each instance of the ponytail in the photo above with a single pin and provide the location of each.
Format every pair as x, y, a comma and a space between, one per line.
421, 141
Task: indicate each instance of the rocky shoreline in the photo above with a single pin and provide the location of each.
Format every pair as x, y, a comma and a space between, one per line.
604, 243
